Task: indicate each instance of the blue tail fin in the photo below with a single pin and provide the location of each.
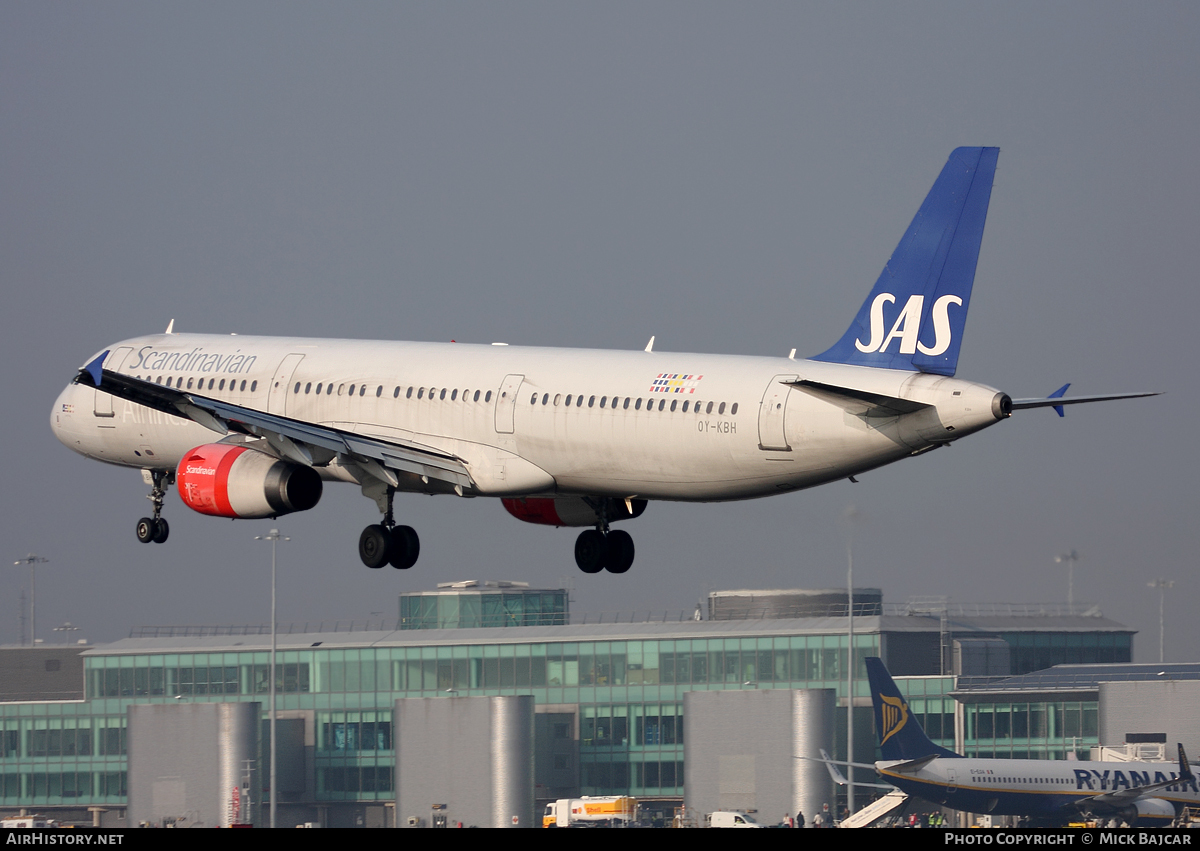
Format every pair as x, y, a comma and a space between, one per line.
900, 735
914, 317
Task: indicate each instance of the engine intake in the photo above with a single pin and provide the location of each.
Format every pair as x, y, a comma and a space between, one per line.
233, 481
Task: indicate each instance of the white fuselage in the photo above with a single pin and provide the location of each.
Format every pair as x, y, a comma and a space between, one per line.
1040, 787
652, 425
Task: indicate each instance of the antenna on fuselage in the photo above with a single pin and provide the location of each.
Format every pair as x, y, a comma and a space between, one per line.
650, 345
170, 327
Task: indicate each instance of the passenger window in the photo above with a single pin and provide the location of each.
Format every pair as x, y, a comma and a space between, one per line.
579, 401
721, 409
626, 405
189, 384
421, 393
591, 401
568, 400
352, 386
545, 398
674, 402
733, 410
557, 399
408, 393
396, 393
685, 404
307, 388
637, 406
603, 399
488, 397
253, 386
662, 403
328, 389
379, 391
708, 410
243, 385
211, 382
533, 399
362, 391
454, 396
476, 399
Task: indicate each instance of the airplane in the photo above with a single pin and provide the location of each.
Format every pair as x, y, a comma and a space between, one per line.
252, 427
1043, 790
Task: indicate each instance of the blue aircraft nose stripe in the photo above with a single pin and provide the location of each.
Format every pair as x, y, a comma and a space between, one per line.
96, 368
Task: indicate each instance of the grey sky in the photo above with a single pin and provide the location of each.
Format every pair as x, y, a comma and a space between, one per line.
728, 177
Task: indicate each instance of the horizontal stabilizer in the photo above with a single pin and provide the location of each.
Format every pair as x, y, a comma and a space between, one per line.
860, 402
1057, 402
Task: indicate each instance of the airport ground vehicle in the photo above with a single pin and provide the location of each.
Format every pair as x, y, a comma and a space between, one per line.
730, 818
606, 811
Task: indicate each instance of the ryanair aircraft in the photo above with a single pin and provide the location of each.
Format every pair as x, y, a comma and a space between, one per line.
1140, 793
253, 426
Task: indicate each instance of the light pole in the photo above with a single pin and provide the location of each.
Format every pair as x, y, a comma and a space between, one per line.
274, 537
1163, 585
67, 628
33, 561
851, 514
1070, 560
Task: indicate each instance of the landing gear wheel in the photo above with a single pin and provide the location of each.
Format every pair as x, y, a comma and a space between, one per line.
373, 545
146, 527
590, 551
618, 547
405, 548
161, 531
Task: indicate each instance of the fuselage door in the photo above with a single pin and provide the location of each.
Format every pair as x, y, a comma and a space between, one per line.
506, 403
104, 402
771, 413
278, 392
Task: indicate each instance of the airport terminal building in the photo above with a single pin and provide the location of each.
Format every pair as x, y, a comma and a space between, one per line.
592, 708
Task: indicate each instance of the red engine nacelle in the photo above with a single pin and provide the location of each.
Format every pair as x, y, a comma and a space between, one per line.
233, 481
570, 510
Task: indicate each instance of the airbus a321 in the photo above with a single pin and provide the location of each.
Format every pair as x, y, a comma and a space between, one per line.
1043, 790
251, 427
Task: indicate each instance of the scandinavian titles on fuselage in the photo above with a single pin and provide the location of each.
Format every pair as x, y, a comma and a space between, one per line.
197, 360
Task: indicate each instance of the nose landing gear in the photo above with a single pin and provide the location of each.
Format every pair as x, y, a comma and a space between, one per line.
155, 528
387, 543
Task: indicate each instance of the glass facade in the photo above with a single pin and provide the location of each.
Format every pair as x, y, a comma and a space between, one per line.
458, 610
629, 694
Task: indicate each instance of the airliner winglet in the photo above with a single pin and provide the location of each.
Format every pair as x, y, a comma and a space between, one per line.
251, 427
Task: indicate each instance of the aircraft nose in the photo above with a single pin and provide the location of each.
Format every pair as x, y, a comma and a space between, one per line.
62, 415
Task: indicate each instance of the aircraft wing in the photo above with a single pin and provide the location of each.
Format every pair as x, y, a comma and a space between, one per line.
839, 779
305, 443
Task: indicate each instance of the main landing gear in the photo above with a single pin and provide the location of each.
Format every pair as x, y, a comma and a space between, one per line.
387, 543
155, 528
603, 549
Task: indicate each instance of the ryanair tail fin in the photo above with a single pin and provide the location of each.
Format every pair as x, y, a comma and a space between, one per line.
900, 735
914, 317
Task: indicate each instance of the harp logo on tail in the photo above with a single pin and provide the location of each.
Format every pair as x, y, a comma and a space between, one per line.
894, 712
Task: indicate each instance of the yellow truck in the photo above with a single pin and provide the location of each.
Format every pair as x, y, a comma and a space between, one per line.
601, 811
